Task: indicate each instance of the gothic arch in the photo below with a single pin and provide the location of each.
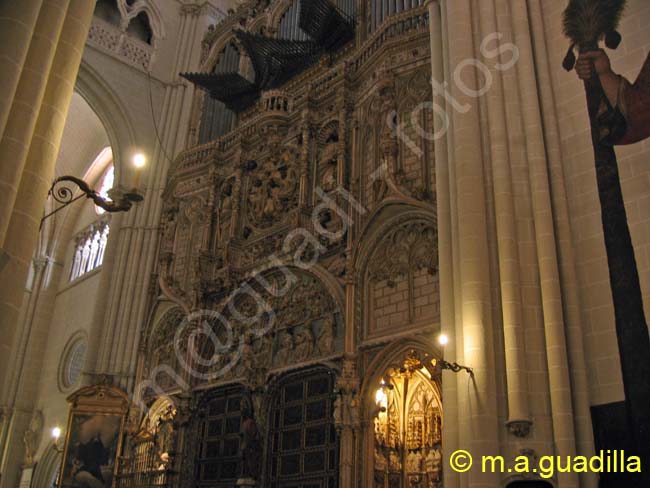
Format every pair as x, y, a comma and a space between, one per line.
48, 467
383, 218
261, 23
112, 114
130, 12
158, 351
297, 317
386, 358
277, 12
170, 314
396, 263
390, 212
402, 413
216, 49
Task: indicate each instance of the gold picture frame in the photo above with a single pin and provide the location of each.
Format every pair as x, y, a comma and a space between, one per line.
94, 436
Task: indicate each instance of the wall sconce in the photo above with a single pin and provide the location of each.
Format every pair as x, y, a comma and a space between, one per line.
120, 201
56, 437
381, 398
443, 340
455, 367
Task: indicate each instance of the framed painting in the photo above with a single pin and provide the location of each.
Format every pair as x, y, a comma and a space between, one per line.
94, 437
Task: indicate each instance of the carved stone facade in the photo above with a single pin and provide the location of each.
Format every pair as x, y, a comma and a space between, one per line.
293, 251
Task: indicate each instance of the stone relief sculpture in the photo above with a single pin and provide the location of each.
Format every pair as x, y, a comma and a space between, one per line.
32, 437
304, 345
250, 446
231, 203
285, 351
327, 335
273, 184
225, 212
328, 163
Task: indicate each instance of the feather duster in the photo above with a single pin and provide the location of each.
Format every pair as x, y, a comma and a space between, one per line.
586, 22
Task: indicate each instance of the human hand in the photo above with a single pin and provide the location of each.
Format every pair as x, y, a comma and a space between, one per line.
593, 61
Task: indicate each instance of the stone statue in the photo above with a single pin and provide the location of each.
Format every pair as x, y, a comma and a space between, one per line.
395, 463
338, 412
326, 337
328, 166
413, 462
32, 437
225, 212
304, 344
247, 354
251, 446
284, 354
433, 463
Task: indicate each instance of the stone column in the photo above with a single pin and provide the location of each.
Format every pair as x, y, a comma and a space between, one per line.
443, 202
507, 245
17, 23
574, 323
547, 252
467, 229
22, 232
26, 104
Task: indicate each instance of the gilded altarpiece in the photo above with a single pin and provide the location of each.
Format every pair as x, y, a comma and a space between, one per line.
283, 235
408, 431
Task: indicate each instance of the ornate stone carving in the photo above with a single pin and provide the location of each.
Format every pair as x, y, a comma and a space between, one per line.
519, 428
272, 190
251, 445
116, 42
32, 437
408, 247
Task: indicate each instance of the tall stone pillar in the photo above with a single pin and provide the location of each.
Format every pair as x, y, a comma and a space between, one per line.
23, 229
507, 245
474, 336
17, 22
445, 251
21, 120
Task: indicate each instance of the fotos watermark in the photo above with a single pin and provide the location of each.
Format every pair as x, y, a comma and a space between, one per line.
490, 52
222, 332
302, 247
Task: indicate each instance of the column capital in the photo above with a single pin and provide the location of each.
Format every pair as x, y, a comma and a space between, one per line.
194, 9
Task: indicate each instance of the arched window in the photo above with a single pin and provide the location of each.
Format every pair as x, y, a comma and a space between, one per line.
380, 10
217, 119
72, 363
140, 28
107, 183
90, 246
107, 11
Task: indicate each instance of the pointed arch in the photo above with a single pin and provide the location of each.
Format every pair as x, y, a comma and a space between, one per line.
133, 9
113, 115
47, 469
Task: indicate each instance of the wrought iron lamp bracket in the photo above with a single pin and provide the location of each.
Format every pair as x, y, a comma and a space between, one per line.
120, 201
